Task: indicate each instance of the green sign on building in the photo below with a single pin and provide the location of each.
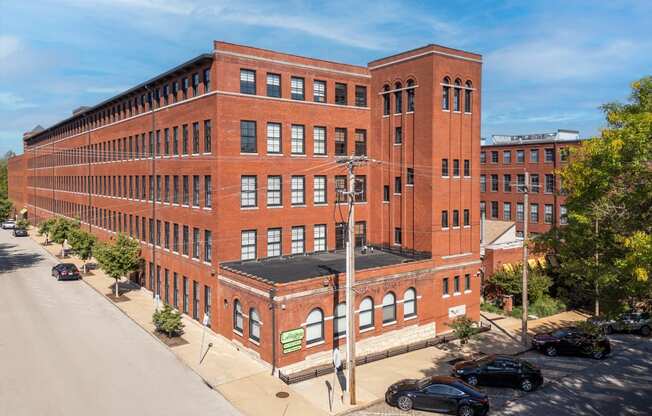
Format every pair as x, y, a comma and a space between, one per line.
291, 340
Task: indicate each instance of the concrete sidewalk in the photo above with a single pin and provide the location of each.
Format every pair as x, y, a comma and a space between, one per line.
248, 383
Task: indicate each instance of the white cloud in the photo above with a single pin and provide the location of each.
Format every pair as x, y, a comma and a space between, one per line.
8, 46
10, 101
106, 90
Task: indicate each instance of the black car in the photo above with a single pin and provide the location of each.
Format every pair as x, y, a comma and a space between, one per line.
572, 341
499, 371
20, 232
440, 394
66, 271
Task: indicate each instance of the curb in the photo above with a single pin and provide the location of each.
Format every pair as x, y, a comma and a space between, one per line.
360, 408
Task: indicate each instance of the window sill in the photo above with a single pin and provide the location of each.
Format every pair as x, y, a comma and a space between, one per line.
315, 344
467, 291
467, 113
299, 206
319, 155
467, 226
298, 155
206, 208
235, 331
385, 115
385, 202
195, 154
409, 185
371, 328
275, 154
248, 208
409, 112
389, 323
457, 294
396, 194
248, 154
445, 177
445, 111
339, 337
409, 318
253, 341
398, 144
444, 228
321, 204
274, 206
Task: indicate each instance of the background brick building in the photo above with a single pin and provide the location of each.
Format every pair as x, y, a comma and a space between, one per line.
225, 168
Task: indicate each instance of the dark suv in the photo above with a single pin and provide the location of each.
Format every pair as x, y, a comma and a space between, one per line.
499, 371
572, 341
66, 271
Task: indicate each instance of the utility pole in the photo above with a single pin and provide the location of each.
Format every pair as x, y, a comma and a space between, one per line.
597, 263
351, 163
526, 214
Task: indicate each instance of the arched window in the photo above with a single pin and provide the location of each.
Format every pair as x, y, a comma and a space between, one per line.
254, 325
366, 313
386, 100
445, 94
315, 326
410, 95
467, 97
339, 321
389, 308
398, 95
238, 318
409, 303
456, 95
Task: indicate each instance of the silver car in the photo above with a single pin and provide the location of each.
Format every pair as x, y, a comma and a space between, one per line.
628, 322
9, 225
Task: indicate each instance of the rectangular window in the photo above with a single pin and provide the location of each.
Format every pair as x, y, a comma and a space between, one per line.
186, 289
340, 188
483, 183
534, 213
297, 88
208, 192
360, 96
467, 220
319, 189
274, 242
386, 193
547, 214
207, 303
319, 91
186, 238
444, 168
456, 168
445, 286
298, 140
248, 197
273, 138
195, 84
444, 219
467, 282
175, 238
175, 141
467, 168
360, 142
195, 138
208, 142
563, 215
166, 234
360, 233
507, 183
494, 183
298, 190
175, 189
340, 142
248, 245
494, 157
340, 93
494, 209
520, 182
550, 184
298, 238
186, 190
398, 187
195, 300
520, 156
247, 81
184, 87
520, 212
273, 85
534, 183
166, 142
195, 243
456, 284
208, 246
175, 290
398, 135
483, 157
360, 188
195, 191
410, 176
184, 139
207, 80
274, 191
563, 154
507, 211
319, 140
507, 157
534, 155
248, 136
456, 218
398, 236
550, 155
319, 234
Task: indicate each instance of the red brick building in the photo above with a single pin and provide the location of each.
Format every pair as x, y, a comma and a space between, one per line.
225, 168
503, 165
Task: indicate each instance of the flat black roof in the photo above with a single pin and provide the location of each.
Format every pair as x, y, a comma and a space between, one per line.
295, 268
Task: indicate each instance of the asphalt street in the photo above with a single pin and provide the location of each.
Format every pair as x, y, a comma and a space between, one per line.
65, 350
620, 385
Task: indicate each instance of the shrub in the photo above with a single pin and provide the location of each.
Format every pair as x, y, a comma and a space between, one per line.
168, 320
490, 307
22, 223
464, 328
546, 306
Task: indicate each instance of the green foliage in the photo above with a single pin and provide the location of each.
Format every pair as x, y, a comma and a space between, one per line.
609, 202
168, 320
22, 223
510, 282
546, 306
464, 328
490, 307
45, 227
118, 258
5, 208
590, 328
61, 229
82, 243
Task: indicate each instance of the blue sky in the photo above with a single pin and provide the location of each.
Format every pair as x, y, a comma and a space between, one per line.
547, 64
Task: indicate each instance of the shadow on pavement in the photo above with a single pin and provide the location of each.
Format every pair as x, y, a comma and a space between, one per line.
12, 258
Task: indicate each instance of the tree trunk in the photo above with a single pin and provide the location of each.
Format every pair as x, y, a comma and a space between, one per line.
597, 299
117, 293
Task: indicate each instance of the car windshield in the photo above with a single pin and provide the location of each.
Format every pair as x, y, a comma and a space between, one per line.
560, 333
423, 383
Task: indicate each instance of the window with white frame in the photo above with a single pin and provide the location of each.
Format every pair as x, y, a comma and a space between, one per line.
298, 240
319, 191
389, 308
319, 140
273, 85
507, 211
247, 81
366, 313
315, 326
274, 198
274, 242
248, 245
296, 88
319, 234
273, 138
520, 212
339, 320
238, 317
563, 215
547, 214
248, 191
254, 325
319, 91
298, 190
410, 303
298, 140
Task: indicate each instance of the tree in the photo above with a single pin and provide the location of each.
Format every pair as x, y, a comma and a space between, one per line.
5, 209
45, 228
82, 243
510, 282
61, 230
604, 251
168, 320
463, 328
22, 223
118, 258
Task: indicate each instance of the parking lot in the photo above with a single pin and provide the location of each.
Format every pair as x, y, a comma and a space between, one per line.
618, 385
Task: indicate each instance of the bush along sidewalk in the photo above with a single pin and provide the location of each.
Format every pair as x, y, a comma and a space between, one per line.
168, 321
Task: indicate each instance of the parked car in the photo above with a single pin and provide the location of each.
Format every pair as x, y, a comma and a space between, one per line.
66, 271
20, 232
499, 371
572, 341
9, 225
440, 394
640, 322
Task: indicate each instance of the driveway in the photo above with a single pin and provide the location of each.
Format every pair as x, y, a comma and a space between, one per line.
64, 350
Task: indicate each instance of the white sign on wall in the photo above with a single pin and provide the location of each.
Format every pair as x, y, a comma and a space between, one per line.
456, 311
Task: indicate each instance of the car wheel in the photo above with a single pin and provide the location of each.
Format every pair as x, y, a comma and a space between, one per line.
404, 403
472, 380
551, 351
465, 410
645, 331
526, 385
609, 330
